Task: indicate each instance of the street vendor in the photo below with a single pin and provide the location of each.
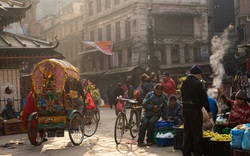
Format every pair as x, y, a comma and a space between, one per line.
240, 110
8, 111
155, 105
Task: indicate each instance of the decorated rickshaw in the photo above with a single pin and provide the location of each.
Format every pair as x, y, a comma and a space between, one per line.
55, 111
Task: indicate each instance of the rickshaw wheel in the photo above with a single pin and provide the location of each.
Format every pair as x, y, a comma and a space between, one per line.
35, 135
90, 121
76, 129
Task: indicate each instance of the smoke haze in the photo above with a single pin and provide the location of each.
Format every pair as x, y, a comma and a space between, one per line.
220, 46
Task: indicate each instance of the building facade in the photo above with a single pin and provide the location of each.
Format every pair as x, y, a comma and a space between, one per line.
65, 26
176, 32
243, 18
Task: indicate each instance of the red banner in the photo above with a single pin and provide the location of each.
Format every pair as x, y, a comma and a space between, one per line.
105, 47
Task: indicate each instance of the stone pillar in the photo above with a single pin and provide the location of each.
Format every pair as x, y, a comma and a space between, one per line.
191, 54
168, 53
124, 57
181, 53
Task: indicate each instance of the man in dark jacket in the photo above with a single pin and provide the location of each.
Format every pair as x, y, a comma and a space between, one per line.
194, 97
8, 111
118, 91
175, 110
155, 105
110, 94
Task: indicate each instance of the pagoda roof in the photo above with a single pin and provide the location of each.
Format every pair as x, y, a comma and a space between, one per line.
12, 11
11, 41
13, 44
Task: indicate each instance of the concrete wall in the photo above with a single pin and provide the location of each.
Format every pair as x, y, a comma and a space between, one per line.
10, 78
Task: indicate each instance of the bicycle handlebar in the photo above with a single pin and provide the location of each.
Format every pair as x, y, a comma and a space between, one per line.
132, 101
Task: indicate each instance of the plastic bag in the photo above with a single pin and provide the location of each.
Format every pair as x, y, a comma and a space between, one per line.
237, 135
219, 120
101, 102
118, 107
245, 140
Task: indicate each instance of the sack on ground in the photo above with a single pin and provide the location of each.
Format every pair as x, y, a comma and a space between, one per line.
246, 140
237, 135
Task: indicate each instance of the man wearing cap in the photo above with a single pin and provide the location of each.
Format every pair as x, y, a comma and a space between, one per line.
240, 110
8, 111
155, 105
194, 97
168, 83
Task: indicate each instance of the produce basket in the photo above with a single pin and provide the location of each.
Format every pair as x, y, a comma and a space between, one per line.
178, 130
178, 140
206, 146
220, 148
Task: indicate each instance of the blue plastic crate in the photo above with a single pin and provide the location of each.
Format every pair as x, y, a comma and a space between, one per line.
165, 141
164, 124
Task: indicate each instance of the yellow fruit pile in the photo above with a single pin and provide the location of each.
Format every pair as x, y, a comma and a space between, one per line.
221, 137
207, 134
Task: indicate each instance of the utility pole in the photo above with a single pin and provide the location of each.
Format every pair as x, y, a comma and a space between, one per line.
153, 61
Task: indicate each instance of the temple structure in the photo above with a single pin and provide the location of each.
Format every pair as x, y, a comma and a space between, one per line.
18, 54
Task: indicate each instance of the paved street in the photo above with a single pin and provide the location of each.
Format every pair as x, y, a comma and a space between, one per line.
101, 144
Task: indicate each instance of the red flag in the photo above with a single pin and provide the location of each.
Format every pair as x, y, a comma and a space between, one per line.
105, 47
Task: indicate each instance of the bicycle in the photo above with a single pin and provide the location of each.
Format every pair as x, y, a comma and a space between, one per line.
89, 117
122, 124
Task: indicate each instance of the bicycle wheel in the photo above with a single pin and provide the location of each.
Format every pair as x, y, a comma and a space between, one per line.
76, 129
119, 127
97, 112
90, 123
35, 135
134, 123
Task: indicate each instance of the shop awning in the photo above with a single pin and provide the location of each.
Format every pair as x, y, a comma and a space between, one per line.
94, 73
171, 66
121, 70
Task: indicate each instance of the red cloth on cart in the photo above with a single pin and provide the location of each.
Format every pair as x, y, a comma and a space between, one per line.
90, 100
28, 108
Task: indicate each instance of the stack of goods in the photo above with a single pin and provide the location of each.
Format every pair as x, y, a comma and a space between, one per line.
240, 140
206, 143
164, 133
220, 144
165, 139
215, 144
178, 138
